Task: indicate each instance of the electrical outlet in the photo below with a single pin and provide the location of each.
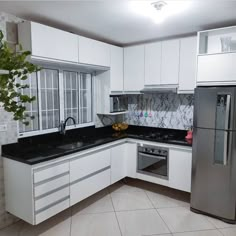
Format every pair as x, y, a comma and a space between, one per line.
3, 128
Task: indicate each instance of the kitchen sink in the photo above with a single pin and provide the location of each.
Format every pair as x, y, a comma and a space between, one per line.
72, 146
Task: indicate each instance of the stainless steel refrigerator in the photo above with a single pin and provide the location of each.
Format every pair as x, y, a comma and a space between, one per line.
214, 152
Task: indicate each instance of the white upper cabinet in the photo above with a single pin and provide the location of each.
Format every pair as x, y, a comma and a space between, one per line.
117, 69
217, 57
153, 63
47, 42
134, 68
94, 52
218, 69
187, 66
170, 62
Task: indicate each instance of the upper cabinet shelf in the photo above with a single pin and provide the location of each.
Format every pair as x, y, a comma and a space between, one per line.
217, 41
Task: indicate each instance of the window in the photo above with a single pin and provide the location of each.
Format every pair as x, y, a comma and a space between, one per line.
31, 108
59, 94
49, 89
77, 97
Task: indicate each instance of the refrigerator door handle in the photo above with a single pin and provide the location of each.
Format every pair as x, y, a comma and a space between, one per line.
227, 122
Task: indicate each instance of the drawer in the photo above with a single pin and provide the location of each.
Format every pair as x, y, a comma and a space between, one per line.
50, 172
51, 185
60, 206
89, 186
51, 198
89, 164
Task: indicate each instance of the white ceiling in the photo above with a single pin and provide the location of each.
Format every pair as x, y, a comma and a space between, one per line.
117, 22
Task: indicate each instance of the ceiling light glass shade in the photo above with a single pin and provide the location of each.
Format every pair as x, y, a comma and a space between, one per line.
147, 9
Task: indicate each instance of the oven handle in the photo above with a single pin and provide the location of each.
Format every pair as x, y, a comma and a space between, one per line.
153, 156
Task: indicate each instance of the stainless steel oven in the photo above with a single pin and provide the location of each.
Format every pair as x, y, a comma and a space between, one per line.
153, 160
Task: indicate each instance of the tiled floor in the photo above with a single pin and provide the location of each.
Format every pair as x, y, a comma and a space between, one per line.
133, 209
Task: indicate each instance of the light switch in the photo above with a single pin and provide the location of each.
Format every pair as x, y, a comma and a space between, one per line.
3, 128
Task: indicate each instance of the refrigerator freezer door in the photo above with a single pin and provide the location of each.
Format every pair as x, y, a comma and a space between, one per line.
214, 108
213, 173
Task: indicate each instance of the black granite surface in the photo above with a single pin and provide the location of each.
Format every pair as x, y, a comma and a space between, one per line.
46, 147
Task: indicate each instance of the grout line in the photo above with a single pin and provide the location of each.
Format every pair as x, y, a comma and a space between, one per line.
71, 214
115, 215
221, 233
159, 214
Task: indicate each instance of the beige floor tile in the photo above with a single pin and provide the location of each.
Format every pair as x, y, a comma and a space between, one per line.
181, 219
141, 222
120, 187
58, 225
200, 233
162, 201
12, 230
102, 224
130, 201
219, 223
98, 203
228, 231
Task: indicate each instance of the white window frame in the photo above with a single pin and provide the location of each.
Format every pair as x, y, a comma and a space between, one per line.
61, 105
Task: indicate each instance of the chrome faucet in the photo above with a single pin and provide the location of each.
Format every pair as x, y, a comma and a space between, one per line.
62, 127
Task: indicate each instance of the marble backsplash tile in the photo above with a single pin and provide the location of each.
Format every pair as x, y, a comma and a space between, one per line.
170, 110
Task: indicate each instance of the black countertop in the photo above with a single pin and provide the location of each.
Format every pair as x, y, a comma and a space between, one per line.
42, 148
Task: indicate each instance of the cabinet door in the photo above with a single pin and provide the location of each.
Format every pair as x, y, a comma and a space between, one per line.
180, 168
134, 68
153, 64
217, 69
187, 66
118, 165
89, 186
94, 52
117, 70
131, 159
89, 164
170, 62
53, 43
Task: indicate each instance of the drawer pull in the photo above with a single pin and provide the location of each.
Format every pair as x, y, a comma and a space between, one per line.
52, 205
52, 178
50, 192
90, 175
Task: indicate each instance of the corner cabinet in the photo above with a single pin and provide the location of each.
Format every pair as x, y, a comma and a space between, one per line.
187, 65
47, 42
134, 68
93, 52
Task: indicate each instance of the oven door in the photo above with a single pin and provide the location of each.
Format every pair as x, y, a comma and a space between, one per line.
152, 164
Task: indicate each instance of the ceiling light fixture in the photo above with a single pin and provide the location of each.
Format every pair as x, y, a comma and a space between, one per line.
159, 15
160, 10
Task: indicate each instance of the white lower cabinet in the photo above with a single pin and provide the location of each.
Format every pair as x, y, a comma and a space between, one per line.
118, 163
36, 193
87, 187
180, 168
131, 159
89, 174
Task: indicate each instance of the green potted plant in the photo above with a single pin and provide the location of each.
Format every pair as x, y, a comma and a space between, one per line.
14, 67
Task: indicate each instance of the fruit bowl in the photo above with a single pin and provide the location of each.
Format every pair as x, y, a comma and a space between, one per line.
120, 126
